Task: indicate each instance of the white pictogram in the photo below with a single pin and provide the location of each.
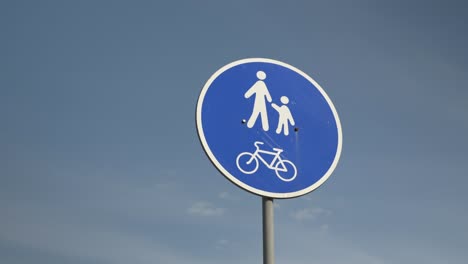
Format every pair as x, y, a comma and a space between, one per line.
260, 90
248, 163
285, 116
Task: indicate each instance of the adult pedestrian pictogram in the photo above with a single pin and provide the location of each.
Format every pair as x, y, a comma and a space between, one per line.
260, 90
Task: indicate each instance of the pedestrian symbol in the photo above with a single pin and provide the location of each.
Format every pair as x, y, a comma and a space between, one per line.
269, 128
261, 93
260, 90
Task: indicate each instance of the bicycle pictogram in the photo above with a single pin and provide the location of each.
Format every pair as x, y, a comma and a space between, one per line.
248, 163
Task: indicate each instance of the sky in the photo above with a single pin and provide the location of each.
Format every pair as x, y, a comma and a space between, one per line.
100, 162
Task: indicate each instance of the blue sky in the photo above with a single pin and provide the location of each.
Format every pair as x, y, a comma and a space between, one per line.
100, 161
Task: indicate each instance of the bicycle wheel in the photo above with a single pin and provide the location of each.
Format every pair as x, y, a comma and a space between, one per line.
285, 170
247, 163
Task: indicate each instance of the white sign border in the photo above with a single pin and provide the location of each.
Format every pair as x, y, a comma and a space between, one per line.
226, 173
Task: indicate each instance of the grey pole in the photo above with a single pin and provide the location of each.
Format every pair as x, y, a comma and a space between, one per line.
268, 231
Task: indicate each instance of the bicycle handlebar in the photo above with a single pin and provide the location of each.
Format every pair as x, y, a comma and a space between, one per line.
258, 143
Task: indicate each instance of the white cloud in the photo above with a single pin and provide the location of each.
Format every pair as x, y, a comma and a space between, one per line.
324, 228
63, 235
205, 209
222, 243
310, 213
227, 196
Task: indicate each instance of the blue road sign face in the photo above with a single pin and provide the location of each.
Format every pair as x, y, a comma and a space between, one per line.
269, 128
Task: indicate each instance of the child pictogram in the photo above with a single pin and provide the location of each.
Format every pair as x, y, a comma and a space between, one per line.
285, 116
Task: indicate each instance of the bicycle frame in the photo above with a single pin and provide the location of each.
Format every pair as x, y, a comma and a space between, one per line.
273, 162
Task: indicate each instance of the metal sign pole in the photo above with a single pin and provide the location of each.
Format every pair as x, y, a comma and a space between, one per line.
268, 231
